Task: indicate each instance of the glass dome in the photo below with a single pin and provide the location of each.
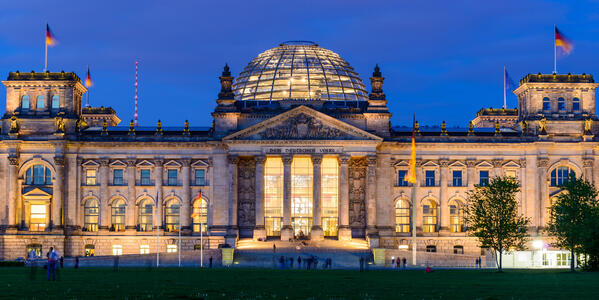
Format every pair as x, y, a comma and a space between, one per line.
299, 70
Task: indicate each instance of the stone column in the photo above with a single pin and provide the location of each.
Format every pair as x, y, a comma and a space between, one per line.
470, 163
186, 194
344, 230
158, 177
286, 230
542, 164
371, 230
58, 194
13, 164
260, 230
497, 165
316, 232
443, 201
523, 188
232, 225
130, 221
104, 210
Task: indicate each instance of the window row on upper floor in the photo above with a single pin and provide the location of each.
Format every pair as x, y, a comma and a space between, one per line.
563, 105
40, 103
144, 177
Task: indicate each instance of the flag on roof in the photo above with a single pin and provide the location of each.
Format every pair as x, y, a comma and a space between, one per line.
88, 79
50, 38
563, 42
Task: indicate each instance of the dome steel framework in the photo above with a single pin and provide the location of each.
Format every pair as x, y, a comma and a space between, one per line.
299, 70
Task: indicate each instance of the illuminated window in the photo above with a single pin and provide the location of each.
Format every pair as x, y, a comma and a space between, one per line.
171, 248
90, 177
301, 194
561, 104
273, 195
172, 215
144, 249
37, 217
91, 213
431, 248
145, 177
483, 178
560, 175
402, 216
38, 175
117, 250
429, 178
25, 106
200, 215
546, 104
401, 176
55, 102
457, 178
36, 248
200, 177
458, 249
145, 215
118, 215
456, 218
172, 177
429, 215
117, 177
90, 250
329, 195
41, 102
575, 104
510, 173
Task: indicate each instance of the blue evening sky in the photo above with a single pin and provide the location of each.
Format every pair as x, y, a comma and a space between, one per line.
442, 60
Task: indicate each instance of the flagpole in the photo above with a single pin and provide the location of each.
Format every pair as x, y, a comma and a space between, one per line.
554, 52
179, 247
413, 196
504, 86
157, 236
86, 79
46, 58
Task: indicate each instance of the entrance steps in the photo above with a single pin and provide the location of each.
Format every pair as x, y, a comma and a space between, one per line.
257, 254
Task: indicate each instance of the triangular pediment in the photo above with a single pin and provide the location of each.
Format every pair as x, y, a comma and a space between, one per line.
430, 163
511, 164
172, 164
200, 164
36, 193
457, 164
118, 164
484, 164
145, 163
302, 123
90, 164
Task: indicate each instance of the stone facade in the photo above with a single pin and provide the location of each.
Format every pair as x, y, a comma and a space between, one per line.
107, 185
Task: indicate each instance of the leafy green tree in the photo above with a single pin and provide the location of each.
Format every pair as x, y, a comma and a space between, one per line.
492, 216
574, 217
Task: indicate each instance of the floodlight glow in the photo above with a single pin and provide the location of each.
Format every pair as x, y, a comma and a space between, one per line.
402, 247
538, 244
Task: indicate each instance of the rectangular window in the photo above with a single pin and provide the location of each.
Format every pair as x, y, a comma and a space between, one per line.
200, 177
37, 217
172, 177
510, 173
401, 176
430, 178
457, 178
117, 178
145, 177
144, 249
90, 177
171, 248
483, 178
576, 105
117, 250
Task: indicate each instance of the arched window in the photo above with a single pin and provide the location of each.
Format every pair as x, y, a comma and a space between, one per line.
561, 104
118, 215
456, 220
91, 214
560, 175
172, 215
575, 104
429, 216
41, 102
200, 215
546, 104
25, 105
402, 216
144, 218
38, 175
55, 102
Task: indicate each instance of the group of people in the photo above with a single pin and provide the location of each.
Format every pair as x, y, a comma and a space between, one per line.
53, 260
307, 263
397, 262
478, 263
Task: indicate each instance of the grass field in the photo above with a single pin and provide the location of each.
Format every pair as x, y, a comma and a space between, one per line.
188, 283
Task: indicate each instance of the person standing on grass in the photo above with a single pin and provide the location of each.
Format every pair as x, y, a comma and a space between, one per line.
299, 262
52, 258
32, 257
274, 248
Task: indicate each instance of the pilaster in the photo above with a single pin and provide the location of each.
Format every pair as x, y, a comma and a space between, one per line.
316, 232
286, 230
344, 230
260, 230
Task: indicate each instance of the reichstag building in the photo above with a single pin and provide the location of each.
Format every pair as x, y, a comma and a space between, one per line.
298, 146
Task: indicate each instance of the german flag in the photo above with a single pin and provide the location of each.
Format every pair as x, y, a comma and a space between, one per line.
88, 79
50, 38
563, 42
411, 175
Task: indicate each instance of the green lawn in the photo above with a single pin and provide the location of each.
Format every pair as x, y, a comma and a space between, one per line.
190, 283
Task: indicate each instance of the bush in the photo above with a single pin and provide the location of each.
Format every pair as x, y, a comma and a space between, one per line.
12, 263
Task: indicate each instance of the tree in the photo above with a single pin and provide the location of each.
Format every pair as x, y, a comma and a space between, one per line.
492, 216
574, 216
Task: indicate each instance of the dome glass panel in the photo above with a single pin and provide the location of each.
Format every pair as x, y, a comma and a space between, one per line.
299, 70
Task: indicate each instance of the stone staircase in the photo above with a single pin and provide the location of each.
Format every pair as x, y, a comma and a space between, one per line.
257, 254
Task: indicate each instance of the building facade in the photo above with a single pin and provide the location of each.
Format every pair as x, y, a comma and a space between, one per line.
298, 147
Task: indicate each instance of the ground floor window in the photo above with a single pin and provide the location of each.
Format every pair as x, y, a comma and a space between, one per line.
144, 249
273, 226
37, 217
329, 226
90, 250
171, 248
36, 248
117, 250
431, 248
458, 249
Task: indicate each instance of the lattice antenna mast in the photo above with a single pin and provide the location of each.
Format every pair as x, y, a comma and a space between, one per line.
136, 78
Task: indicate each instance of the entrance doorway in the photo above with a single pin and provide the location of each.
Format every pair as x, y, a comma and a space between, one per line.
273, 226
301, 225
329, 226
